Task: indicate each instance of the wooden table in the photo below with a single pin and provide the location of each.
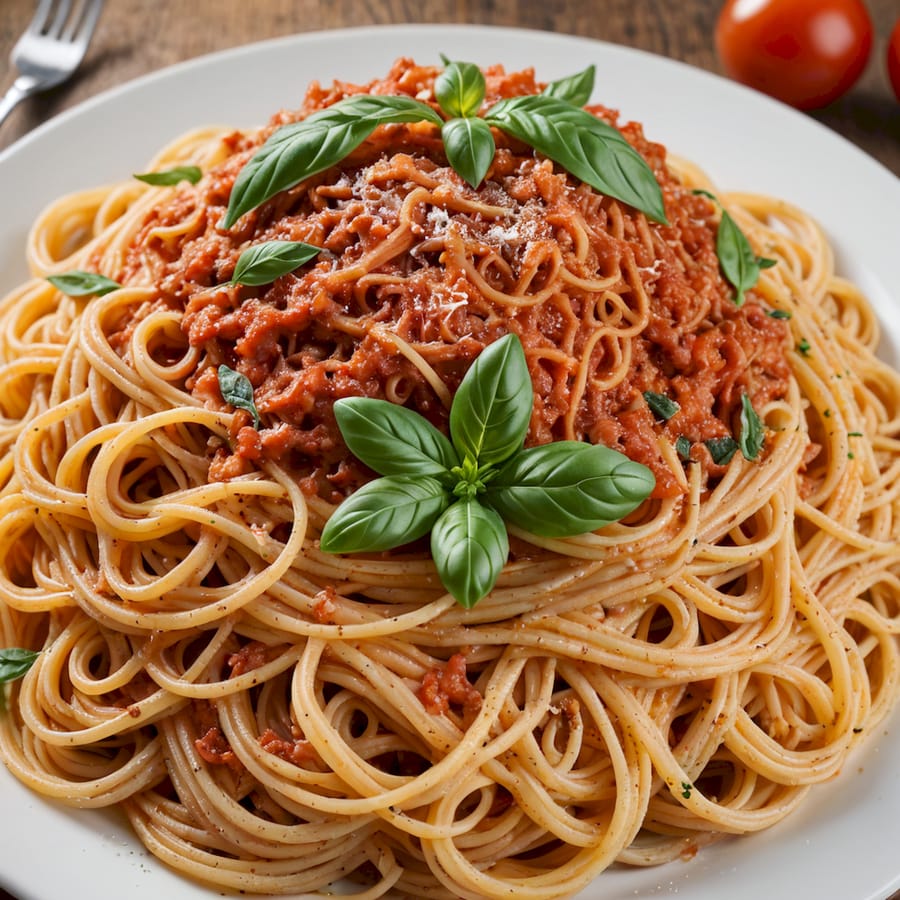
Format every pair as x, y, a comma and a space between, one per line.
135, 37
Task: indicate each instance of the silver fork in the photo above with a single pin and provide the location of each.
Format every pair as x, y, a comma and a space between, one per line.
51, 49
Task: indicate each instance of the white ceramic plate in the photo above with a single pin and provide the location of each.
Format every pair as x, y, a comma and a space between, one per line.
842, 844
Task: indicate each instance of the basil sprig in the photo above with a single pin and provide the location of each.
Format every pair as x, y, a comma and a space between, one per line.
238, 392
83, 284
740, 265
553, 123
263, 263
169, 177
465, 488
15, 662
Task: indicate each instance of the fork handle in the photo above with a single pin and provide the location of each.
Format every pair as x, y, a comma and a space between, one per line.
18, 91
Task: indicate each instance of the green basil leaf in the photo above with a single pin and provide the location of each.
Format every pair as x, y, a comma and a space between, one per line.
568, 488
661, 406
392, 439
459, 89
584, 145
295, 152
574, 89
722, 449
470, 546
384, 514
238, 392
263, 263
753, 432
740, 265
683, 448
169, 177
492, 408
736, 257
779, 314
15, 662
82, 284
470, 148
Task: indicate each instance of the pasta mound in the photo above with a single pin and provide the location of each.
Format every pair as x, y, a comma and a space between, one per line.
273, 719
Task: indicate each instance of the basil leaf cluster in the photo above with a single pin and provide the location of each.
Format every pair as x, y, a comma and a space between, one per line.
465, 489
552, 122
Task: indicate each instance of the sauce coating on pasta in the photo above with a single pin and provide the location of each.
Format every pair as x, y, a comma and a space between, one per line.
276, 719
417, 265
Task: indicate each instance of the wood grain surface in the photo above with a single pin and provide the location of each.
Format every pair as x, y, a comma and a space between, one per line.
135, 37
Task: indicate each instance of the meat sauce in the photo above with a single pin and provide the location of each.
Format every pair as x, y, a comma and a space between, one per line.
319, 334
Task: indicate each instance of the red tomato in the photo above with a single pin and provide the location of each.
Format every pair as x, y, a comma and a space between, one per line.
804, 52
893, 59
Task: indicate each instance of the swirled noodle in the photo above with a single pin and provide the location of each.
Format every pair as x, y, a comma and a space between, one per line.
272, 718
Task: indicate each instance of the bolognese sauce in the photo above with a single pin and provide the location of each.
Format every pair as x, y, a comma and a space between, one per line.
415, 263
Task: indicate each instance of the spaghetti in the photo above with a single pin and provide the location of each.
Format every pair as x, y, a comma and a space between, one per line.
273, 718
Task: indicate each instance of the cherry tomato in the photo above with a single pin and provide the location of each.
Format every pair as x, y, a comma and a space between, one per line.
893, 59
804, 52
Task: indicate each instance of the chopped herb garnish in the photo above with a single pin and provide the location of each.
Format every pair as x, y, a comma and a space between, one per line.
854, 434
466, 488
238, 392
779, 314
722, 449
686, 788
683, 448
662, 406
803, 346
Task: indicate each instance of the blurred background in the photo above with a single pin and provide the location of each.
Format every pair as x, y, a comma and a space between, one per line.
135, 37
